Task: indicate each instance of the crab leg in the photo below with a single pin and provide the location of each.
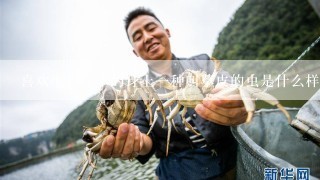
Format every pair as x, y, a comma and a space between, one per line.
174, 111
117, 92
131, 111
269, 99
209, 83
245, 96
152, 102
248, 103
158, 101
150, 113
154, 122
163, 83
168, 137
130, 86
118, 104
85, 166
91, 172
145, 99
96, 147
231, 89
167, 95
183, 115
82, 162
126, 97
172, 114
111, 110
90, 157
168, 103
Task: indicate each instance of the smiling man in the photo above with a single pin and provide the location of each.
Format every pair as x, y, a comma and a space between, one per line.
209, 155
150, 41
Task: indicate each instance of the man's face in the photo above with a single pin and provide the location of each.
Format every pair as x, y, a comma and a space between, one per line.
149, 39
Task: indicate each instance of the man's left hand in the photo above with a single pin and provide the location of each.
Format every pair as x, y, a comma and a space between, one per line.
228, 111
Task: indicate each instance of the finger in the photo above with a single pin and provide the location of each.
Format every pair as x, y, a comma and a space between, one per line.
229, 101
121, 137
107, 147
220, 119
239, 120
228, 112
136, 148
141, 141
206, 113
219, 86
242, 118
128, 146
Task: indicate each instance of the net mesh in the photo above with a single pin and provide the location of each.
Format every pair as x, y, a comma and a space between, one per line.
270, 142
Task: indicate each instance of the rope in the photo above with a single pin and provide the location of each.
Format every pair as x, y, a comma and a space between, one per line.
294, 62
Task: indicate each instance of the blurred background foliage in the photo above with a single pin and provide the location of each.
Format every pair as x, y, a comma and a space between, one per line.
269, 30
71, 129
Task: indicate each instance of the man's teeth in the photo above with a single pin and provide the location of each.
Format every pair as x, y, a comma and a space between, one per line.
153, 46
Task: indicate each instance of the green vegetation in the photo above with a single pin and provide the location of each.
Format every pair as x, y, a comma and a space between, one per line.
270, 29
72, 127
26, 147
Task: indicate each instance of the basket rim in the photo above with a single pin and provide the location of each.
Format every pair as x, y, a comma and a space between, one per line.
257, 151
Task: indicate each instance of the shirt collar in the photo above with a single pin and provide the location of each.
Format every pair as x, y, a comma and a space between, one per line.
175, 66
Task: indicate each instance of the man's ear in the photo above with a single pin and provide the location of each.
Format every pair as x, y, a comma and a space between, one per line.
168, 32
135, 53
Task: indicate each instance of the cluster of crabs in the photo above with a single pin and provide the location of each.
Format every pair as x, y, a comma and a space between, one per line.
117, 105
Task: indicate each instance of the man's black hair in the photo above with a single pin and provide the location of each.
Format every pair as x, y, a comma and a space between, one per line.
135, 13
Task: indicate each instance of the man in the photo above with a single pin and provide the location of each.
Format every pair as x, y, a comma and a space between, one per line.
213, 154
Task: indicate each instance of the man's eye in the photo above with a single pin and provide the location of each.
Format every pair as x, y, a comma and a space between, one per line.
137, 38
152, 28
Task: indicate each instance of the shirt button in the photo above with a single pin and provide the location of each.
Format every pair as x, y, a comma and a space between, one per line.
194, 115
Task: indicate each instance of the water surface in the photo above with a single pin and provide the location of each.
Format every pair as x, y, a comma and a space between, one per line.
67, 167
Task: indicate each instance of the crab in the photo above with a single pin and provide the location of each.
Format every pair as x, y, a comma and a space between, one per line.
197, 85
115, 106
248, 96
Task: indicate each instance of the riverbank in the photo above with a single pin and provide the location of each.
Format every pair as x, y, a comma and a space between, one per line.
36, 159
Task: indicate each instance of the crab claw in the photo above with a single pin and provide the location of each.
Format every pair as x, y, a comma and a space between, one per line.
107, 95
88, 136
108, 102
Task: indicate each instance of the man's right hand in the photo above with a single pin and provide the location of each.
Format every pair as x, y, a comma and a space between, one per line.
127, 144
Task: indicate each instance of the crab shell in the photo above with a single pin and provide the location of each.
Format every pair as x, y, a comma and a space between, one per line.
189, 96
112, 110
122, 111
